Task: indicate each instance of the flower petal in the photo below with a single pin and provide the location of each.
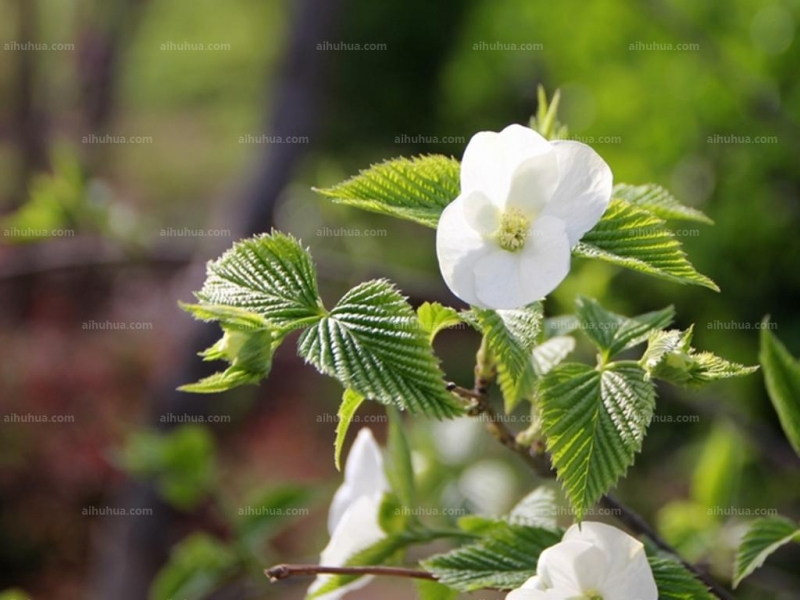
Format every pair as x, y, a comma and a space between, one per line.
481, 214
458, 248
533, 183
573, 566
363, 476
490, 159
584, 188
358, 529
545, 258
498, 282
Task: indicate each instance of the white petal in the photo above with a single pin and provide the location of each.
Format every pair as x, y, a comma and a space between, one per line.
573, 566
358, 529
498, 282
545, 258
363, 476
551, 594
490, 159
458, 248
533, 184
481, 214
584, 188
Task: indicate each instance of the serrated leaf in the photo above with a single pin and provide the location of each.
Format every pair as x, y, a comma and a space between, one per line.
432, 590
763, 538
270, 275
511, 336
595, 422
549, 354
675, 582
655, 199
634, 238
782, 375
433, 317
504, 559
351, 400
560, 326
230, 378
417, 189
537, 509
613, 333
372, 342
671, 358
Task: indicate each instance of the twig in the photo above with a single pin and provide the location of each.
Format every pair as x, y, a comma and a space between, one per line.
285, 571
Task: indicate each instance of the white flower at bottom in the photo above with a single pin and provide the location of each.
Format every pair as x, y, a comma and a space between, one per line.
353, 518
593, 561
524, 203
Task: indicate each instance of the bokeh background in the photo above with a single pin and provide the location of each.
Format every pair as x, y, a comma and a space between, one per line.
140, 138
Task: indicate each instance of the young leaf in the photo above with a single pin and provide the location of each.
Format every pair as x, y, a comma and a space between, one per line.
417, 189
670, 357
782, 374
372, 342
595, 421
613, 333
511, 336
655, 199
271, 275
634, 238
433, 317
763, 538
676, 582
505, 558
351, 400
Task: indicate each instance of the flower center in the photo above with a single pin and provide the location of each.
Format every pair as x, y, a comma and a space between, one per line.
592, 595
513, 230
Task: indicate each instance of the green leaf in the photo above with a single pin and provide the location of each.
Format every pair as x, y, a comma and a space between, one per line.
782, 375
670, 357
560, 326
433, 317
417, 189
537, 509
676, 582
399, 470
763, 538
351, 400
198, 565
636, 239
270, 275
718, 468
595, 422
504, 559
655, 199
613, 333
545, 121
511, 336
432, 590
372, 343
549, 354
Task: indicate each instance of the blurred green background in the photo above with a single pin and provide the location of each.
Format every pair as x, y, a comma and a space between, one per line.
138, 139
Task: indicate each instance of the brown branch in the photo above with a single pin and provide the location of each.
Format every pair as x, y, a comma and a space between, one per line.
280, 572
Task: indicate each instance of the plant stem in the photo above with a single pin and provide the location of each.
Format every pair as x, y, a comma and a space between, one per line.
539, 462
279, 572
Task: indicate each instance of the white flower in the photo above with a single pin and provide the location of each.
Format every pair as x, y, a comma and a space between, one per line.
505, 241
353, 517
593, 561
